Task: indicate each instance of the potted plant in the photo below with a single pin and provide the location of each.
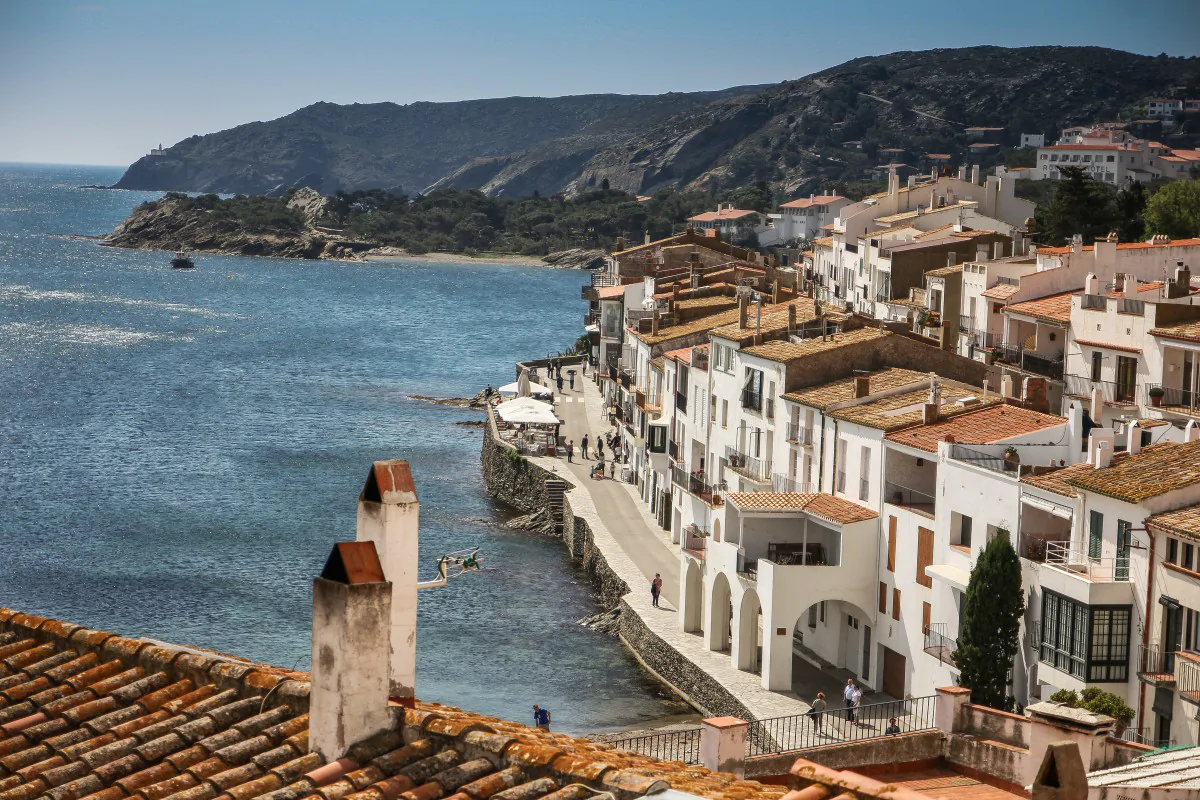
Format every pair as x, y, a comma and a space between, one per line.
1156, 395
1011, 458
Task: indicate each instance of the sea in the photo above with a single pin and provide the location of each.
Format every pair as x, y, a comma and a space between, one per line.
179, 450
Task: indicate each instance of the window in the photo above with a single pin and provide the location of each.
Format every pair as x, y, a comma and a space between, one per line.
657, 438
1172, 551
961, 530
891, 555
1054, 157
895, 604
1111, 159
1097, 364
752, 390
924, 555
724, 413
1188, 552
1124, 538
882, 597
840, 455
864, 474
1091, 643
1095, 534
926, 616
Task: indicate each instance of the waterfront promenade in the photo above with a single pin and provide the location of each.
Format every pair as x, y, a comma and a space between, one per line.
636, 548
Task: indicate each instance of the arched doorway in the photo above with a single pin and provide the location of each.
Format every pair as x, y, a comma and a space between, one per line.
747, 655
720, 612
693, 598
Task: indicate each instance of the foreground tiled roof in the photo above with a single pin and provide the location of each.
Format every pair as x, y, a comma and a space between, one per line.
828, 394
942, 272
1056, 481
1186, 331
1001, 291
902, 410
786, 351
1054, 308
774, 320
1126, 246
610, 292
1158, 469
725, 213
1182, 521
826, 506
992, 424
816, 200
86, 715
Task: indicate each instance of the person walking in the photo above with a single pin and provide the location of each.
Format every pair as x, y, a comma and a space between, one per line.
541, 717
571, 378
570, 450
599, 448
848, 694
655, 589
612, 469
584, 445
817, 712
559, 380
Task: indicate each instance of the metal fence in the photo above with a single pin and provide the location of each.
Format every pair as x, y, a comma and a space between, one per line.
681, 745
835, 725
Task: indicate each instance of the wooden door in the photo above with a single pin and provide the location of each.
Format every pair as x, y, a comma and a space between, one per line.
893, 673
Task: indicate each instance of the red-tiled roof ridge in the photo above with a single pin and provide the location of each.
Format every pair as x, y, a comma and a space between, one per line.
995, 423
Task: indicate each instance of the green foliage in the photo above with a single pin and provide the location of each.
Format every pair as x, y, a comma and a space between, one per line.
1130, 204
1095, 700
990, 625
1174, 210
1080, 206
249, 214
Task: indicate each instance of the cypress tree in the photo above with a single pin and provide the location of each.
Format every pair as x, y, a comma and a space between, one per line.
989, 630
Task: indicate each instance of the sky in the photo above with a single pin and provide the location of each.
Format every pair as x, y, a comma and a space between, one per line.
102, 82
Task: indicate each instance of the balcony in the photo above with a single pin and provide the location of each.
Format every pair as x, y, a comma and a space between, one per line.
695, 541
681, 402
748, 571
626, 379
1029, 361
1116, 394
799, 434
693, 483
680, 477
966, 322
938, 644
805, 554
782, 483
984, 340
1156, 665
700, 359
1060, 556
647, 402
1176, 400
752, 467
752, 400
592, 317
1032, 545
904, 497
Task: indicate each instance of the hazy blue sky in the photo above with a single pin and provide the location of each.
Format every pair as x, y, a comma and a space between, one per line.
103, 82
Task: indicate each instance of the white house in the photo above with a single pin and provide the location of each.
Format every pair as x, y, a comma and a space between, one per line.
804, 218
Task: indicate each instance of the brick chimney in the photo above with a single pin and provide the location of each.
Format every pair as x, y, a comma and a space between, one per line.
791, 318
862, 386
743, 308
389, 516
352, 605
1181, 285
654, 323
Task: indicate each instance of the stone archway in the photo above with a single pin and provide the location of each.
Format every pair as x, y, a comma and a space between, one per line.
693, 598
720, 610
747, 639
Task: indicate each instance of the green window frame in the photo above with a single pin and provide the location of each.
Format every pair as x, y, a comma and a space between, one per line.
1095, 533
1088, 642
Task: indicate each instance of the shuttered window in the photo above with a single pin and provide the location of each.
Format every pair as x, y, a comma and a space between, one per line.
924, 555
926, 616
891, 557
895, 604
882, 597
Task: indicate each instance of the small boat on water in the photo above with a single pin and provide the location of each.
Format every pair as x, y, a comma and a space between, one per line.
182, 260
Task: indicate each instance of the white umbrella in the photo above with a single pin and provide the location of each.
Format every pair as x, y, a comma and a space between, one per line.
523, 384
514, 389
524, 402
528, 415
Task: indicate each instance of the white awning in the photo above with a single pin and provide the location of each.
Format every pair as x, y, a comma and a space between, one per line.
955, 576
534, 389
1045, 505
591, 328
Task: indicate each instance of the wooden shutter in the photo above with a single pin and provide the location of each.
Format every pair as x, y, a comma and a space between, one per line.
895, 604
882, 597
891, 561
924, 555
926, 615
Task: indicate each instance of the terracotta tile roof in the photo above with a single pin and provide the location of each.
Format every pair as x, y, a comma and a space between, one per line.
997, 423
1054, 308
900, 411
1158, 469
723, 214
657, 363
826, 506
788, 351
610, 292
1105, 346
1056, 480
828, 394
1001, 291
1125, 246
1182, 521
928, 233
1185, 331
87, 715
1086, 147
818, 200
824, 241
893, 218
774, 320
942, 272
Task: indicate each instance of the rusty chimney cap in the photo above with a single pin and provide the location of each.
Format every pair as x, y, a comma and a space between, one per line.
389, 482
353, 563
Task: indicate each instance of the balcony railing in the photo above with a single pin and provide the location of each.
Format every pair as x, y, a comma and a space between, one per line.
626, 379
966, 322
903, 496
680, 477
1061, 556
984, 340
1156, 664
798, 731
752, 400
681, 402
1032, 545
752, 467
799, 434
1145, 736
782, 483
748, 570
938, 644
592, 317
1117, 394
1175, 399
694, 484
681, 745
1029, 361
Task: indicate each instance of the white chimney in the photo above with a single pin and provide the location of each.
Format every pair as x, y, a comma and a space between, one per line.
388, 515
1077, 243
985, 390
1192, 432
348, 699
1104, 454
1075, 431
1100, 447
1133, 438
975, 174
1091, 283
1006, 385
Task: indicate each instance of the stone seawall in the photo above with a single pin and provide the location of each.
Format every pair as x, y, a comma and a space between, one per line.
520, 482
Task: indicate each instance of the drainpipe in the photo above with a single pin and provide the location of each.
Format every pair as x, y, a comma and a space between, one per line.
1146, 623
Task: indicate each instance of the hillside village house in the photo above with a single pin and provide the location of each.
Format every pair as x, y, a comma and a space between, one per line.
733, 224
804, 218
1109, 153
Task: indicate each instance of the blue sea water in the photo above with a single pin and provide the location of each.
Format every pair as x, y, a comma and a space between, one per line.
179, 450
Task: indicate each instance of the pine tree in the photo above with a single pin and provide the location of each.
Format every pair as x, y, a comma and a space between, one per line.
989, 631
1080, 205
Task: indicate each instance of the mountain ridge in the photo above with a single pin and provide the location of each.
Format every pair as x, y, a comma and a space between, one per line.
791, 135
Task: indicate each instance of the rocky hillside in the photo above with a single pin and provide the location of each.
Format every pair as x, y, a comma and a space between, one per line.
791, 135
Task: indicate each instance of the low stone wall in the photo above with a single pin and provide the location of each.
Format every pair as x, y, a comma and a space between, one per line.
577, 536
1000, 726
1000, 761
907, 748
508, 476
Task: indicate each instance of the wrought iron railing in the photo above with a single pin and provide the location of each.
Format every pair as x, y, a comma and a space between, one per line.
870, 721
938, 644
592, 317
752, 467
1146, 736
1119, 394
683, 745
673, 450
680, 477
782, 483
1153, 659
985, 340
899, 495
798, 433
1027, 360
966, 322
1174, 397
707, 492
1187, 678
